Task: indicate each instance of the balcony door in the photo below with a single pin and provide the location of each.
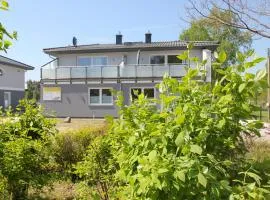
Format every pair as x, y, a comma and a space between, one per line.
7, 99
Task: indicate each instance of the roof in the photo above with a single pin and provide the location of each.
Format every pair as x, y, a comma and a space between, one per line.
14, 63
131, 46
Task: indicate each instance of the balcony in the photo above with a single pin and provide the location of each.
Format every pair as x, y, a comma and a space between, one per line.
142, 72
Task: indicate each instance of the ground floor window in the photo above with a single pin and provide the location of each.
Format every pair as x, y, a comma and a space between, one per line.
100, 96
148, 92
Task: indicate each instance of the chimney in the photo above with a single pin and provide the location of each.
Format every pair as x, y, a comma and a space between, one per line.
119, 38
148, 37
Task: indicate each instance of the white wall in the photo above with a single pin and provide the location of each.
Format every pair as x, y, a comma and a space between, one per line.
13, 78
116, 58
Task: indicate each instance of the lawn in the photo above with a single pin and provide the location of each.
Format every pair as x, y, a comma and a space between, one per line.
78, 123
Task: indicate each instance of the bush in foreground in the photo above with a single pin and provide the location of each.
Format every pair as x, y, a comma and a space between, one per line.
25, 137
190, 148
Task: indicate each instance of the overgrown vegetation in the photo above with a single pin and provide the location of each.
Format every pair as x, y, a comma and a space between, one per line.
191, 148
24, 157
186, 144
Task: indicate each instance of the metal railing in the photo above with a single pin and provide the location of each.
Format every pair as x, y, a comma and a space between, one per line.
117, 72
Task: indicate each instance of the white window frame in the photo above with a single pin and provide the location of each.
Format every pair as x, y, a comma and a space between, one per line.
142, 88
78, 57
100, 97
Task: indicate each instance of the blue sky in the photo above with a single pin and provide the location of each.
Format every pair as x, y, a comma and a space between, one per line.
52, 23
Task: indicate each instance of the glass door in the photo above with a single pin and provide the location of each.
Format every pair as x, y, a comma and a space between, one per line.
7, 99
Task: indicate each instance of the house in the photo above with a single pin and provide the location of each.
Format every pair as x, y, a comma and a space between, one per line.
12, 81
78, 82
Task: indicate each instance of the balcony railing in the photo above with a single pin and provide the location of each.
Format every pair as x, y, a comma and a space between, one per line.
112, 72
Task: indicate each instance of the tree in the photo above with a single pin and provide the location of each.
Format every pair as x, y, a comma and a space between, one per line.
190, 148
253, 16
5, 36
231, 39
25, 142
33, 90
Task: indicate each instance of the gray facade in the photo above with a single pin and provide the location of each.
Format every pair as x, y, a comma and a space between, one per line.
79, 75
75, 99
16, 96
12, 81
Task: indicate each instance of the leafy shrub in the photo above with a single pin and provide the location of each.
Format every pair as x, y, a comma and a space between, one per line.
24, 157
192, 148
70, 147
98, 169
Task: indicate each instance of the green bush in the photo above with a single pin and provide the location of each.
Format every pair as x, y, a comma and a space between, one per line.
25, 137
190, 148
70, 147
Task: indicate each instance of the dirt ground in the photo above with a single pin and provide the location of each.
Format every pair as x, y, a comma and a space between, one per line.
77, 123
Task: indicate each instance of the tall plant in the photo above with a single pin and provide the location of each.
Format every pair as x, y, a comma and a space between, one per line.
193, 147
24, 157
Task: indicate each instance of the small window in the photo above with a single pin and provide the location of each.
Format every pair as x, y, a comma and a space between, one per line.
100, 97
135, 92
155, 60
172, 59
1, 72
148, 92
94, 96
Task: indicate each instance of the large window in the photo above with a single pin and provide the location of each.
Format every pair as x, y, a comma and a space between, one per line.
92, 61
155, 60
148, 92
172, 59
100, 96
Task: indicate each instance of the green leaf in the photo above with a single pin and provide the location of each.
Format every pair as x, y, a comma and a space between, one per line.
180, 119
196, 149
255, 177
242, 87
260, 74
131, 140
180, 175
152, 155
180, 139
258, 60
222, 57
202, 180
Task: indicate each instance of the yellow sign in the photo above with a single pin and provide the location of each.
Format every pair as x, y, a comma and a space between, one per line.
51, 93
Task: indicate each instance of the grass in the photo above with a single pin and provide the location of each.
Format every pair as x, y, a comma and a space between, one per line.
77, 124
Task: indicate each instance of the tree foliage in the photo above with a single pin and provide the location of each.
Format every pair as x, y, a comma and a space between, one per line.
231, 39
5, 36
33, 90
25, 138
251, 16
192, 147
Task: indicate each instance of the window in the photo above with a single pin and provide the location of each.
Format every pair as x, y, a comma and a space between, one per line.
100, 96
1, 72
92, 61
157, 60
148, 92
84, 61
172, 59
99, 61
